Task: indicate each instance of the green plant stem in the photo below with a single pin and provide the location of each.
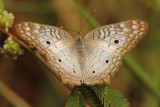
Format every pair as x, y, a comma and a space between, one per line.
140, 74
91, 21
12, 97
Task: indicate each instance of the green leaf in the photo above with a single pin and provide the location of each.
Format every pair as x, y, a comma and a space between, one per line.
76, 98
109, 97
90, 96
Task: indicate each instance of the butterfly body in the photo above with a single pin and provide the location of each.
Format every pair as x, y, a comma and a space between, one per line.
80, 51
92, 60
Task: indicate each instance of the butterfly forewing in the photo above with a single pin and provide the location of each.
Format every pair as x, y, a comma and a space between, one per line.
43, 37
120, 37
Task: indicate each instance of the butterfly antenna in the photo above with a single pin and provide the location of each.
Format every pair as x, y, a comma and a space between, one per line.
82, 25
68, 29
87, 20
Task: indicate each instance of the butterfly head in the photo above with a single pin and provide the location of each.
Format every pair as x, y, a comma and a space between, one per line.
78, 37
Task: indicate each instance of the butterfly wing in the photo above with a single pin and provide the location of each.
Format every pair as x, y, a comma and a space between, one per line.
100, 65
42, 37
56, 45
110, 43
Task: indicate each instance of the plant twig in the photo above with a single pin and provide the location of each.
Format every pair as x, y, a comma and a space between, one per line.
15, 38
12, 97
143, 78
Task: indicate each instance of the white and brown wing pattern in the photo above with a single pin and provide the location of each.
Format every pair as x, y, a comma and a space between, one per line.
120, 37
58, 47
106, 45
43, 37
93, 60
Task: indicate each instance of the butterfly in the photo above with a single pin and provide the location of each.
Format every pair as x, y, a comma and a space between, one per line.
91, 60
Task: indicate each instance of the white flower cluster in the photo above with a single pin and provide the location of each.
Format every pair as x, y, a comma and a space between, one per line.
11, 48
6, 19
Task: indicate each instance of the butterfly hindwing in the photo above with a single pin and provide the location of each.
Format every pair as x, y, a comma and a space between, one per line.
65, 64
101, 65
